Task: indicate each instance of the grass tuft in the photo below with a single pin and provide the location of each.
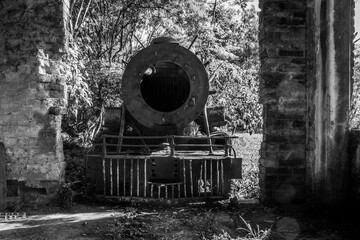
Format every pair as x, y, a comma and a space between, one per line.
255, 233
251, 233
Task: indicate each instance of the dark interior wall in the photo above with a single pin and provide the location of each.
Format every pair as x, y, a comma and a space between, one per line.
355, 167
2, 177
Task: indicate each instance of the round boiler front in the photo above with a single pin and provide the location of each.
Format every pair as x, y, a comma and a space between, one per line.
165, 85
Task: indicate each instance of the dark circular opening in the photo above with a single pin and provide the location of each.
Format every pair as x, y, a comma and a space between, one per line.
165, 87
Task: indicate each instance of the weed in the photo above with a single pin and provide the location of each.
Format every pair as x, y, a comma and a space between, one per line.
255, 233
251, 233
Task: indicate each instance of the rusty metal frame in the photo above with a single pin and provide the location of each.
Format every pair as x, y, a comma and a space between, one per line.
201, 175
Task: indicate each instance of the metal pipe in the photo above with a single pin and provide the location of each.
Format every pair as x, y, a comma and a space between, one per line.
117, 176
103, 163
173, 190
131, 176
111, 177
218, 177
211, 178
207, 129
122, 126
222, 175
191, 179
124, 177
172, 146
184, 169
137, 178
165, 137
201, 178
145, 180
193, 41
205, 180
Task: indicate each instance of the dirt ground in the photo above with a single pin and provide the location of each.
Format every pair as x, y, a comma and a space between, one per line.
216, 221
206, 221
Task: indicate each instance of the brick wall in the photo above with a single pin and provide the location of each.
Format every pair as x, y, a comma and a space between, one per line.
305, 54
283, 93
32, 83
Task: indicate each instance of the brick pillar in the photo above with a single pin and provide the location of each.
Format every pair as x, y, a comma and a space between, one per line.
305, 54
32, 83
282, 41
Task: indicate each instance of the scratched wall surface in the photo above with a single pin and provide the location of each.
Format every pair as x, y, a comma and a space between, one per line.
328, 161
305, 54
32, 83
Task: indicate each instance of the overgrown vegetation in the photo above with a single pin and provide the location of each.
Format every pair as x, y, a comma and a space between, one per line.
205, 222
355, 103
106, 33
254, 232
248, 186
246, 145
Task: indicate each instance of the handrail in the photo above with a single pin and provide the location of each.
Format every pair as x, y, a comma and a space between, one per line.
165, 137
169, 141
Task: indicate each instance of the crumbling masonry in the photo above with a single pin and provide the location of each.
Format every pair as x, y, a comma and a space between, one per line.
32, 83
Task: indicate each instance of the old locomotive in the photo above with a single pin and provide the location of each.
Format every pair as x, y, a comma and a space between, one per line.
150, 148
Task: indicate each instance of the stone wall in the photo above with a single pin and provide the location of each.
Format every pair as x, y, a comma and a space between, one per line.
32, 83
283, 93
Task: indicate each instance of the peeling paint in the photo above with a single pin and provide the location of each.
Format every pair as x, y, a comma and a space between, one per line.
333, 79
329, 160
318, 93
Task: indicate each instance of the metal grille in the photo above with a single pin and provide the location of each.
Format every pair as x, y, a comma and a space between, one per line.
171, 173
131, 177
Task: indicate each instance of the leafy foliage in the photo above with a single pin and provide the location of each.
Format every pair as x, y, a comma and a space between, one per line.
355, 103
227, 41
248, 186
106, 33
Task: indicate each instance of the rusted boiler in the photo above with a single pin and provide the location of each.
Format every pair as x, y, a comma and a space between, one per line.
160, 144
